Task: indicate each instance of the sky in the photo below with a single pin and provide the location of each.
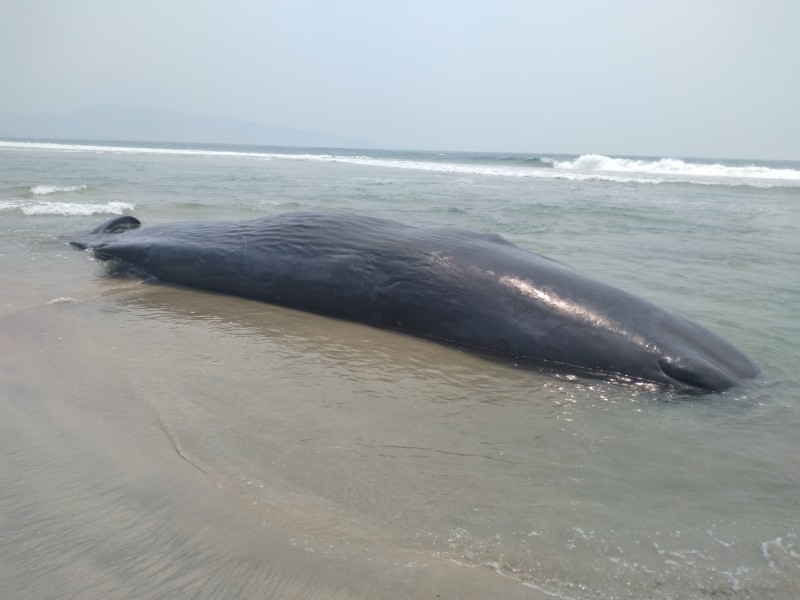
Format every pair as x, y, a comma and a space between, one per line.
689, 78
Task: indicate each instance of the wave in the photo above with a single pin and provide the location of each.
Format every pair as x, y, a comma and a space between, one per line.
675, 167
103, 149
67, 208
587, 167
42, 190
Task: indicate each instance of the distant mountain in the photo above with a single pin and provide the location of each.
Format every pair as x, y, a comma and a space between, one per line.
151, 125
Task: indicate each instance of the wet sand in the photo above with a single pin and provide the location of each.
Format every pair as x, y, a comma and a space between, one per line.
101, 497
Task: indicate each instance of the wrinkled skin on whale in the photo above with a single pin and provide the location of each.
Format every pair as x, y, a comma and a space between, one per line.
445, 284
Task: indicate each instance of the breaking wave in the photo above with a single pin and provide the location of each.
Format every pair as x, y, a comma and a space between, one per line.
42, 190
675, 167
67, 208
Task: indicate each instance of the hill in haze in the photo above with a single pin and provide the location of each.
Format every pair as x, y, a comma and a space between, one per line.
134, 124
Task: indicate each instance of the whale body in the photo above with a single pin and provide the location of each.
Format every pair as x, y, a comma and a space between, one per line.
445, 284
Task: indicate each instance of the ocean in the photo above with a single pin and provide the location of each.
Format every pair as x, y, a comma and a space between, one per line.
161, 442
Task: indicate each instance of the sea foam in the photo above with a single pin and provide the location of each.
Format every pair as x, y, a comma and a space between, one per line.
42, 190
674, 166
75, 209
66, 208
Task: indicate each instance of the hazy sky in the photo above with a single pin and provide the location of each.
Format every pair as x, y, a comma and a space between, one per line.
714, 78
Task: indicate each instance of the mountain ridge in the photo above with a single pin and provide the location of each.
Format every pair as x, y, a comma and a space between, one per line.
141, 124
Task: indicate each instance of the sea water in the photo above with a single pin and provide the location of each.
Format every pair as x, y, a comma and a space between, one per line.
164, 442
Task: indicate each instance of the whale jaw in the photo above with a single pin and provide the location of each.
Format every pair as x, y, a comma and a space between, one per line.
700, 373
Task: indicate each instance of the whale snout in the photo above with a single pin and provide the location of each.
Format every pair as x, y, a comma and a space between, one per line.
696, 373
703, 373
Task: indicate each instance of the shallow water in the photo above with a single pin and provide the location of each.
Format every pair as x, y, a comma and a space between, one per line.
159, 441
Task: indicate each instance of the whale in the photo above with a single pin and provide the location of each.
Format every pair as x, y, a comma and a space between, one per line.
454, 286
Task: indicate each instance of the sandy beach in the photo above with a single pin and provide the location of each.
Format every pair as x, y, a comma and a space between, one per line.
162, 442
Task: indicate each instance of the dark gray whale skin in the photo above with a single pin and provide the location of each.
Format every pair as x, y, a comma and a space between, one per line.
445, 284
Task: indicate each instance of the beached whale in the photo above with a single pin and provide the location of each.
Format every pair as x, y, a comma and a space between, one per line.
445, 284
